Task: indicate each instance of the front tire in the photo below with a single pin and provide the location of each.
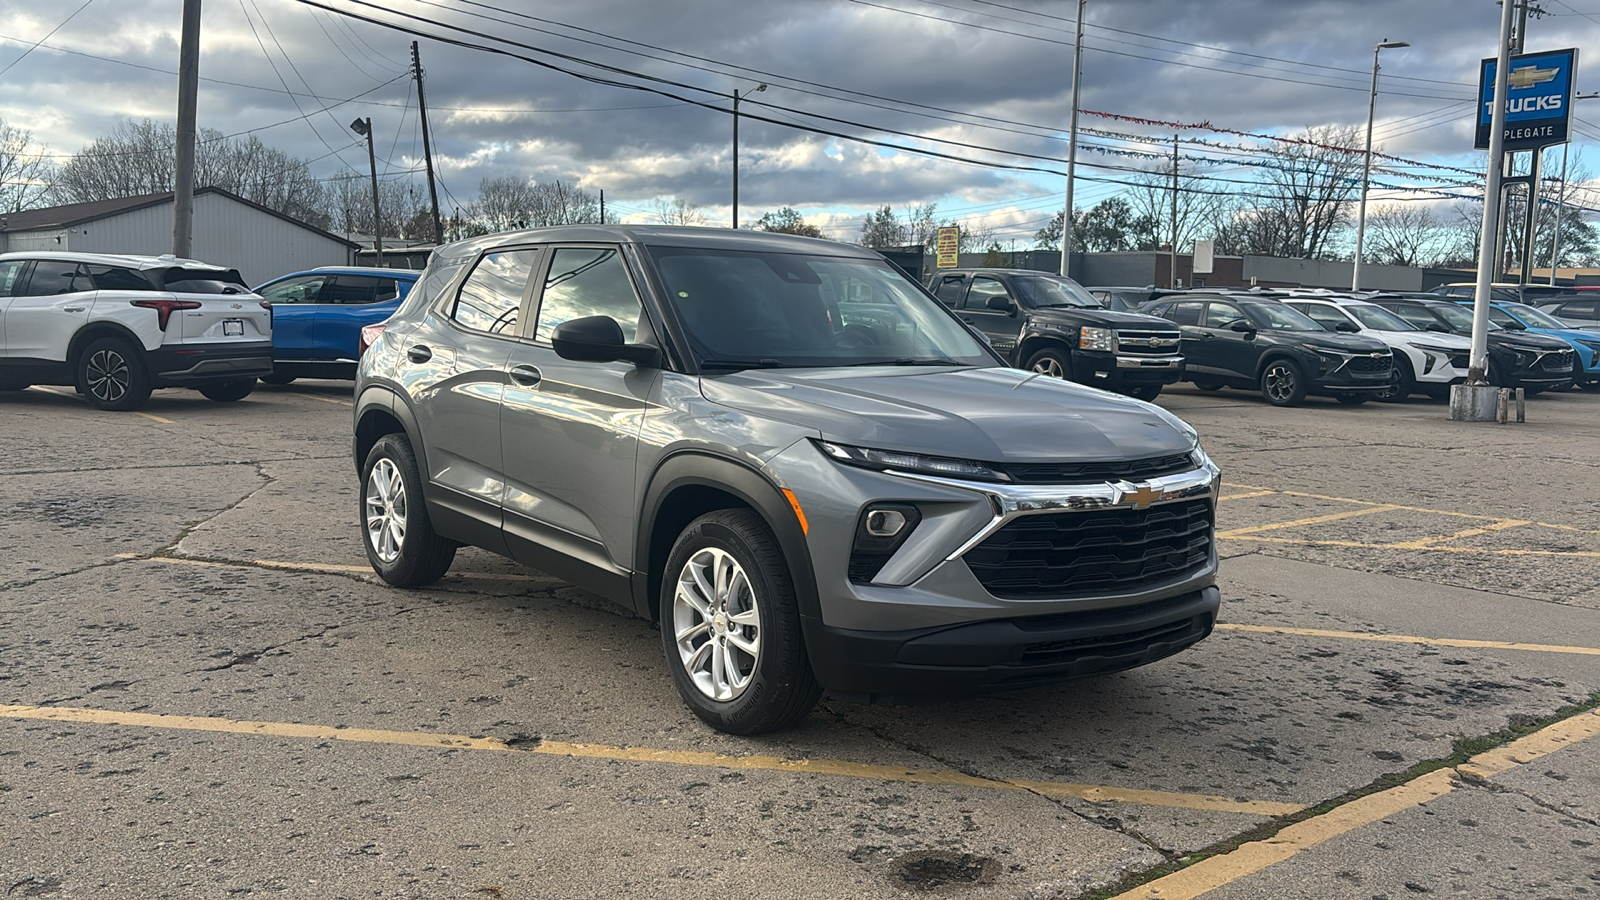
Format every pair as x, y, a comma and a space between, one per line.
401, 544
1146, 392
730, 626
112, 376
1401, 382
228, 391
1052, 362
1208, 385
1282, 383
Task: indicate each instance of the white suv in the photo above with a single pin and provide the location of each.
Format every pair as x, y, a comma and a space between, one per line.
1423, 360
114, 327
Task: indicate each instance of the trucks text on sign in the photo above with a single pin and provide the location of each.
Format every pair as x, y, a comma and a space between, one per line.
1538, 99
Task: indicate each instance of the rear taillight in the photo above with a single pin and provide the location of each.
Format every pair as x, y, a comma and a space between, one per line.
164, 308
369, 336
267, 305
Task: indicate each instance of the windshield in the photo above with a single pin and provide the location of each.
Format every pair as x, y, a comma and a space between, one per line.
1376, 317
1044, 290
745, 309
1458, 318
1278, 317
1534, 318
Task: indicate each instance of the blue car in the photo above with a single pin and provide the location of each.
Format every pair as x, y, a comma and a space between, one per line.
317, 317
1522, 317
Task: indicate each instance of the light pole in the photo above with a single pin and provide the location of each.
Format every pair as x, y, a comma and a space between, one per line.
364, 127
736, 95
1366, 164
1561, 201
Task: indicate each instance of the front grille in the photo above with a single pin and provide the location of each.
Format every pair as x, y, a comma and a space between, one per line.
1558, 362
1370, 365
1147, 343
1047, 653
1117, 550
1079, 472
1461, 360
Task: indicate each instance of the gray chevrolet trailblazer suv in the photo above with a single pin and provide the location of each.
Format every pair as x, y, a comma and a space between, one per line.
791, 456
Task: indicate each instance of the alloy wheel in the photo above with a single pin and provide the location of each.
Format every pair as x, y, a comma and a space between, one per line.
1279, 382
107, 375
1049, 366
716, 624
386, 510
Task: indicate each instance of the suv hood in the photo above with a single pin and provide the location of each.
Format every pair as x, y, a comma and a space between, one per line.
1078, 315
1349, 343
1528, 340
990, 415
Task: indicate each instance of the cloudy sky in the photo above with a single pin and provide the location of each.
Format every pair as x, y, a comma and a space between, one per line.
986, 81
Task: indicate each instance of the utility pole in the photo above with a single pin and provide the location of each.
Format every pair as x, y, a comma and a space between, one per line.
1366, 161
1072, 143
602, 206
427, 144
1173, 264
757, 88
188, 101
1487, 263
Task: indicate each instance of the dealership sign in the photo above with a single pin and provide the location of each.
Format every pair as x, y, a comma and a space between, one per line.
947, 247
1538, 99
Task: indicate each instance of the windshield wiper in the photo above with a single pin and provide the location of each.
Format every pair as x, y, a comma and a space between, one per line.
910, 361
764, 363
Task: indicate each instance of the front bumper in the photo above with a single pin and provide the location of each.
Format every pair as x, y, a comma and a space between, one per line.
1338, 374
191, 364
1116, 370
901, 666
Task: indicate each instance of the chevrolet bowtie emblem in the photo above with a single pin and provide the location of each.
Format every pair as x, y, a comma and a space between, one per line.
1138, 496
1528, 76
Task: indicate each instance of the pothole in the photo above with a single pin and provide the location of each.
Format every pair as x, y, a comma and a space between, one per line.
929, 870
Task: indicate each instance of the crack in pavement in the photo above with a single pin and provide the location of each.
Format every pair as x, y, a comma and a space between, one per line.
1496, 788
261, 472
251, 657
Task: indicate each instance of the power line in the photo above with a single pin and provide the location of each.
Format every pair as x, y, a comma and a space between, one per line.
46, 37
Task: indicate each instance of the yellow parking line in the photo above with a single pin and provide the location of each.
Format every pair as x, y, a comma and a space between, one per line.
843, 768
1427, 543
153, 418
1217, 871
325, 568
1246, 496
1314, 520
327, 399
1436, 512
1410, 639
1430, 549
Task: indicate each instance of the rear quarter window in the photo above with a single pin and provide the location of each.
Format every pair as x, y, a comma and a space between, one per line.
203, 281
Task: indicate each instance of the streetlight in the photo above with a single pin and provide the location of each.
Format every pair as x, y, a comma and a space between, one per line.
1366, 165
736, 96
1561, 201
364, 127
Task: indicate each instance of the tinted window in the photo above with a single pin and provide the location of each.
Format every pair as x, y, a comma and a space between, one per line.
1278, 316
1415, 315
352, 289
1049, 290
301, 289
203, 281
1580, 311
587, 281
54, 276
10, 275
1329, 319
492, 294
1187, 313
1379, 318
116, 278
982, 289
949, 289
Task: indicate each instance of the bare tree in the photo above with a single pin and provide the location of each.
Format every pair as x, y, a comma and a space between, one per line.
1404, 234
1306, 197
349, 201
137, 158
678, 211
25, 172
1149, 219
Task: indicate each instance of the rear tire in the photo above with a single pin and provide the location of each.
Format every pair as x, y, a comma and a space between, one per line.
401, 544
730, 626
1282, 383
277, 379
228, 391
112, 376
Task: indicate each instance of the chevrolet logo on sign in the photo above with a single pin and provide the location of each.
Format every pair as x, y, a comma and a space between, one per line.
1528, 76
1138, 496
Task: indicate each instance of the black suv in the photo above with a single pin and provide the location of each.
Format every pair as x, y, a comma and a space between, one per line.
1048, 324
1256, 342
1535, 362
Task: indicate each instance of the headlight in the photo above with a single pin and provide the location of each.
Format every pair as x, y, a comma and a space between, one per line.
1594, 346
1430, 348
1091, 338
942, 466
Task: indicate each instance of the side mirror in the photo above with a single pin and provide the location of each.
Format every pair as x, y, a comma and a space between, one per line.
1242, 326
599, 339
1439, 327
998, 304
1349, 327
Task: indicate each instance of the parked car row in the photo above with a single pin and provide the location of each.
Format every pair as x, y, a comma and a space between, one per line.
117, 327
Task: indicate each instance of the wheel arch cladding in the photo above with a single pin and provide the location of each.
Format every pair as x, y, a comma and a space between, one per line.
94, 331
380, 412
1272, 356
686, 486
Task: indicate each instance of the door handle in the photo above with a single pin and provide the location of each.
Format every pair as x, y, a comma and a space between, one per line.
419, 354
72, 309
527, 376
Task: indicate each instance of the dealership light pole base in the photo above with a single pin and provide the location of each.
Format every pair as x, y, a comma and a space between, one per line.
1486, 403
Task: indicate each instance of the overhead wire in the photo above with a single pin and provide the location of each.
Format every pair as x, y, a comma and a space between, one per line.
46, 37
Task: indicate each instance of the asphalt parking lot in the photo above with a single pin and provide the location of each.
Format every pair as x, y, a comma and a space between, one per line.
205, 693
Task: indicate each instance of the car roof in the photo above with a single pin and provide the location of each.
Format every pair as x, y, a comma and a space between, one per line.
362, 270
126, 261
662, 236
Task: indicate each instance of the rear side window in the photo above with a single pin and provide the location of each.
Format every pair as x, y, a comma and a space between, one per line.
587, 281
350, 289
301, 289
117, 278
949, 290
1187, 313
203, 281
1580, 311
1418, 317
492, 294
